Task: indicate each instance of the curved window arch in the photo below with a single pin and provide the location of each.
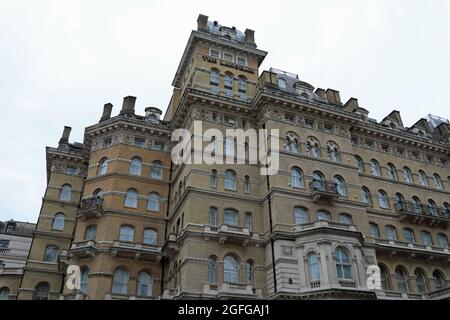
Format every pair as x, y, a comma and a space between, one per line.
153, 202
41, 291
446, 210
417, 205
366, 197
426, 239
291, 142
313, 146
391, 233
97, 192
230, 269
301, 215
439, 280
157, 170
423, 178
4, 293
103, 166
58, 222
421, 281
150, 236
400, 201
314, 267
145, 284
333, 151
408, 235
437, 181
91, 232
213, 178
432, 208
126, 233
345, 218
375, 168
402, 282
297, 178
231, 217
51, 253
84, 280
249, 272
383, 199
343, 264
407, 175
136, 166
282, 84
212, 269
66, 193
229, 181
340, 185
392, 171
318, 181
131, 198
442, 240
360, 164
374, 231
384, 275
120, 281
323, 215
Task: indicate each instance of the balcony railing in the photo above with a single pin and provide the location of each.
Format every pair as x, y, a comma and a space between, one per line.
418, 213
87, 248
13, 252
225, 289
230, 233
324, 224
91, 207
136, 250
324, 190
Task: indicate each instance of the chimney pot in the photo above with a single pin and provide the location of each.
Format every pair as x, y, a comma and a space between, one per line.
202, 22
250, 37
128, 105
107, 108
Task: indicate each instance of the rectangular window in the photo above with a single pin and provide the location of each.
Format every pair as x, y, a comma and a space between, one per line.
214, 117
4, 244
71, 170
415, 155
248, 221
10, 227
289, 118
329, 128
241, 60
228, 56
107, 142
385, 148
309, 123
430, 158
213, 216
401, 152
369, 144
354, 140
160, 146
215, 53
139, 142
228, 120
243, 123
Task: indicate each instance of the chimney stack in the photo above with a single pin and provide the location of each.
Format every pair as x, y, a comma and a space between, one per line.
321, 93
128, 105
333, 97
351, 105
202, 22
250, 37
65, 136
107, 108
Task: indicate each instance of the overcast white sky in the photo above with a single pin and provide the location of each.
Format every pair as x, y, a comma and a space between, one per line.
60, 61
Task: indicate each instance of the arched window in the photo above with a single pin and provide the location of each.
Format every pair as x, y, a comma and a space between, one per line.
333, 151
402, 283
343, 264
282, 84
212, 269
157, 170
230, 270
153, 203
214, 81
437, 181
150, 236
400, 201
66, 193
340, 185
246, 184
248, 221
291, 143
417, 205
230, 180
84, 280
407, 175
41, 291
213, 216
136, 166
431, 207
213, 178
421, 281
4, 293
423, 178
120, 281
446, 210
442, 240
383, 199
103, 166
374, 232
297, 178
242, 88
145, 284
58, 222
249, 272
375, 168
97, 192
231, 217
318, 181
345, 218
408, 235
313, 147
91, 232
323, 215
126, 233
384, 275
392, 171
228, 85
439, 280
365, 195
426, 239
314, 267
301, 216
391, 233
51, 253
131, 198
360, 163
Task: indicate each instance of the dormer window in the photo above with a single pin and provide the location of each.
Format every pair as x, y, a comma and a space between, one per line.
282, 83
228, 56
215, 53
10, 227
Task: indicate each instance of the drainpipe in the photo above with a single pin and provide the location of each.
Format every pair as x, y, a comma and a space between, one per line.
165, 227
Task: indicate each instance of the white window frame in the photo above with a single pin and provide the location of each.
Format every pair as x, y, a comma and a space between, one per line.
219, 51
237, 60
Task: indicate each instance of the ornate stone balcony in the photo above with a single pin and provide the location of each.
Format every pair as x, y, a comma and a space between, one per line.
170, 294
224, 290
232, 234
411, 250
423, 214
171, 246
91, 207
116, 296
137, 251
82, 249
324, 191
324, 224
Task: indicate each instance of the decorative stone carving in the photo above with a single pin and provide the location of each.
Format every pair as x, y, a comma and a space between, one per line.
287, 251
